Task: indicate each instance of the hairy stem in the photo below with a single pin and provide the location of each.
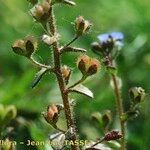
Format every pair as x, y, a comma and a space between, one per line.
73, 40
78, 82
62, 87
39, 64
98, 142
120, 111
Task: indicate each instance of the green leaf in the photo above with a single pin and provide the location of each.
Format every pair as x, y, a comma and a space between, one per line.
38, 77
82, 90
106, 118
57, 138
98, 147
97, 117
114, 144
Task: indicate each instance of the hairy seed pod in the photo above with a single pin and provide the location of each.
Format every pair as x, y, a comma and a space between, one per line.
82, 26
94, 65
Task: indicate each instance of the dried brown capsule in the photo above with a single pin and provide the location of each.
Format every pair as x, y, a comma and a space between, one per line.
41, 12
88, 66
82, 26
94, 66
82, 63
25, 47
66, 72
51, 116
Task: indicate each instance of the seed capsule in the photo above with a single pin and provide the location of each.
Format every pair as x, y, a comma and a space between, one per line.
137, 94
88, 66
51, 116
82, 26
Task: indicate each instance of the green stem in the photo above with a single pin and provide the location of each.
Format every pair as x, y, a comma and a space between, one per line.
62, 87
78, 82
73, 40
120, 111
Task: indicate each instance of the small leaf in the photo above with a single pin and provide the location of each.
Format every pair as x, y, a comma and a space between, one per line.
74, 49
97, 117
38, 77
106, 118
112, 70
114, 144
82, 90
58, 138
97, 147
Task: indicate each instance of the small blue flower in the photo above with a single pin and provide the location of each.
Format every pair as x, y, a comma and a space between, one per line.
115, 36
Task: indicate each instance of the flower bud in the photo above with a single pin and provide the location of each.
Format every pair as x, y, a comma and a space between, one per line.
137, 94
51, 116
49, 40
66, 72
82, 26
96, 48
113, 135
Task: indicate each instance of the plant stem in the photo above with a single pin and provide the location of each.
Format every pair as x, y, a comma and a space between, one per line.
120, 111
62, 87
74, 39
98, 142
39, 64
78, 82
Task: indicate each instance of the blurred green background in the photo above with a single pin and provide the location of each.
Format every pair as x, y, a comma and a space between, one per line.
16, 73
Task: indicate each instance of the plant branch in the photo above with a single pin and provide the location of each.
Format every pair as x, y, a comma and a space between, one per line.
57, 65
120, 111
98, 142
78, 82
57, 128
68, 44
39, 64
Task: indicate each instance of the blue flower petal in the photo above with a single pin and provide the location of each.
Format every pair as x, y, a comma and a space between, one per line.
117, 35
103, 37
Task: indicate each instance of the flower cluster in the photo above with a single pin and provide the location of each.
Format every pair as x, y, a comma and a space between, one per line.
108, 42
